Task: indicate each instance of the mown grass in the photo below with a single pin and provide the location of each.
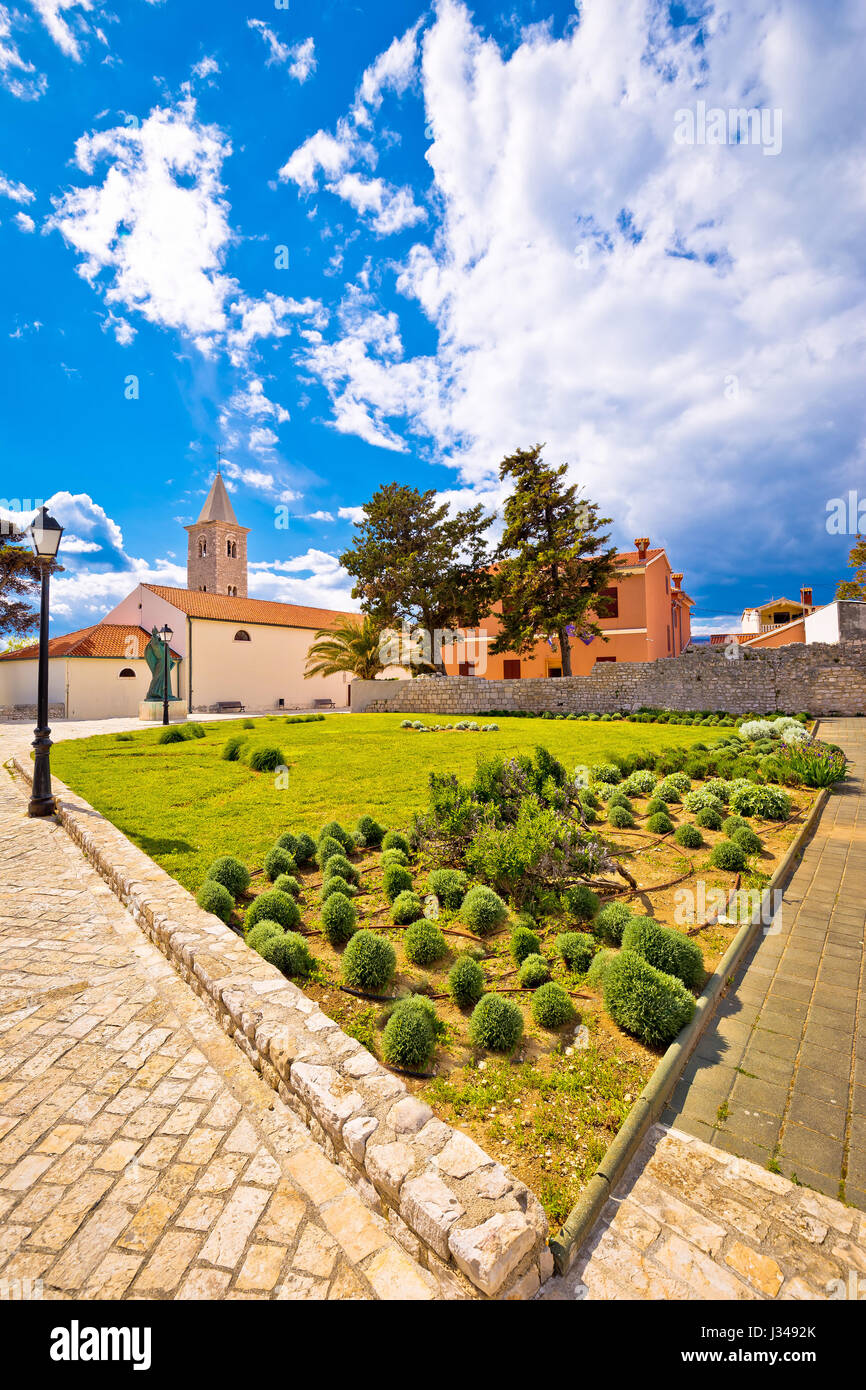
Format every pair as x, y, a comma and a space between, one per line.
183, 805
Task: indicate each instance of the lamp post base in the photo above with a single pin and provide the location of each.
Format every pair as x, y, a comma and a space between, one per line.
39, 806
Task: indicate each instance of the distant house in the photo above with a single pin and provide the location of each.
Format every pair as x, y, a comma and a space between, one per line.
781, 622
648, 616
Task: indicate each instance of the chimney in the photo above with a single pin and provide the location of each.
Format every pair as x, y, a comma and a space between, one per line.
642, 546
677, 580
806, 598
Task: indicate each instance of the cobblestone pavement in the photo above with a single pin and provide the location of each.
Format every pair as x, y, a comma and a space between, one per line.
140, 1154
782, 1073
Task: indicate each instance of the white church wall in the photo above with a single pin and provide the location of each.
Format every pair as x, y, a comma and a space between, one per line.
18, 681
260, 672
98, 691
144, 609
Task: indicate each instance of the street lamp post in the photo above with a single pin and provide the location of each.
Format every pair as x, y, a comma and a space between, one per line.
44, 535
166, 636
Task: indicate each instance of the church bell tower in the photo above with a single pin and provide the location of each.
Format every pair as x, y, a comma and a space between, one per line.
217, 547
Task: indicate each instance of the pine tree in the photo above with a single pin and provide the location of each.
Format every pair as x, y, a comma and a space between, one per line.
553, 559
20, 577
855, 587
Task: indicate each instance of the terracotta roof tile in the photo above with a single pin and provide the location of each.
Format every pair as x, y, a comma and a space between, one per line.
198, 604
626, 559
103, 639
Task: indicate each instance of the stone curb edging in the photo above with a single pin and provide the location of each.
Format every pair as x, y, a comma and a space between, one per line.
474, 1226
654, 1096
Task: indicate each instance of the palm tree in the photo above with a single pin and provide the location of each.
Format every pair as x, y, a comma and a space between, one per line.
353, 645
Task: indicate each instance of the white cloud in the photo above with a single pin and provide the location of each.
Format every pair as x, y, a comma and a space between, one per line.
18, 192
25, 223
68, 38
393, 209
252, 402
270, 317
320, 516
17, 75
206, 67
300, 58
330, 153
75, 545
392, 71
315, 578
356, 515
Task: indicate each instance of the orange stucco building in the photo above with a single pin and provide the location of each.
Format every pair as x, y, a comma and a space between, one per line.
649, 617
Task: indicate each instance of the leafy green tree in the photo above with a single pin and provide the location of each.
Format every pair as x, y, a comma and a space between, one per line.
553, 559
413, 563
20, 576
855, 587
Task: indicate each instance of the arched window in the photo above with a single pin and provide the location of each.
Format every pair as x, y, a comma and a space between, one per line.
202, 547
231, 549
127, 674
242, 636
232, 590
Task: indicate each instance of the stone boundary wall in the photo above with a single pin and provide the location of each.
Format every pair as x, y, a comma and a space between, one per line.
823, 679
463, 1217
26, 714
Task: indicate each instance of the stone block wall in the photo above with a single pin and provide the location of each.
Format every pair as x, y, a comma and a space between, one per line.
26, 714
823, 679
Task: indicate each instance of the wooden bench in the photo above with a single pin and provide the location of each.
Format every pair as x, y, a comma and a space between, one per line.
324, 704
227, 707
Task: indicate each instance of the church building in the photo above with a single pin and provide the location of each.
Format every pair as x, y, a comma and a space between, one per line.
228, 647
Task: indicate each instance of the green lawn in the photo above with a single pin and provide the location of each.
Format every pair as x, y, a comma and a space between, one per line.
184, 805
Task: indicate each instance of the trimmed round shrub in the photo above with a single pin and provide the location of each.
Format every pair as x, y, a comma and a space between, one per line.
231, 873
369, 832
290, 953
483, 910
334, 831
619, 798
702, 799
581, 902
655, 806
339, 919
551, 1006
666, 949
171, 735
644, 1001
337, 865
394, 840
533, 972
720, 787
327, 848
610, 922
449, 885
278, 861
681, 780
369, 961
277, 907
660, 824
577, 949
394, 856
266, 759
496, 1024
524, 942
288, 842
407, 907
769, 803
424, 941
261, 934
688, 836
598, 969
465, 982
709, 819
640, 782
396, 880
305, 848
409, 1039
214, 897
745, 837
606, 773
337, 884
286, 883
728, 855
732, 823
667, 792
621, 818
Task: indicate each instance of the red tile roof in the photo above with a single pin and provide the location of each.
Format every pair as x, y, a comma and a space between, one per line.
198, 604
627, 559
103, 639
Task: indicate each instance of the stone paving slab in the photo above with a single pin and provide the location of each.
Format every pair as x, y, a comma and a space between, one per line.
781, 1074
140, 1154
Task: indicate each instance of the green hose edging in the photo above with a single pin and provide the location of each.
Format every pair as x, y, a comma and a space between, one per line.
654, 1096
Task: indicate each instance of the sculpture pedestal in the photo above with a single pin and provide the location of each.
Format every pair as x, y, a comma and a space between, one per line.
150, 711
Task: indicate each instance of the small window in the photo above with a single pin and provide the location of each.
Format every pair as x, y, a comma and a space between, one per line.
466, 668
242, 636
231, 549
555, 672
202, 547
604, 658
127, 674
511, 670
231, 590
669, 636
610, 607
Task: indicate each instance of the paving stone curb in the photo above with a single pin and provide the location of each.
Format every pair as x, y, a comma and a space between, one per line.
459, 1213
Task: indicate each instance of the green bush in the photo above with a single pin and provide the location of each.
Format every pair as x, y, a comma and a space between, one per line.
688, 836
289, 952
465, 982
702, 799
709, 819
733, 823
409, 1039
338, 866
496, 1024
266, 759
394, 840
524, 942
728, 855
171, 735
745, 837
193, 731
656, 807
286, 883
577, 949
610, 922
394, 856
334, 831
533, 972
601, 962
339, 918
305, 848
551, 1006
288, 842
278, 861
214, 897
640, 782
277, 906
620, 818
769, 803
449, 885
660, 824
580, 902
369, 961
369, 832
423, 942
395, 880
231, 749
483, 910
337, 884
619, 798
247, 724
261, 934
407, 907
231, 873
328, 847
666, 949
644, 1001
605, 772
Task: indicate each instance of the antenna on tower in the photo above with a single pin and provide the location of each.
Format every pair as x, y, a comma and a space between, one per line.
219, 458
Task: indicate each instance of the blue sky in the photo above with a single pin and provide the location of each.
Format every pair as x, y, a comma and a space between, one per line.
357, 243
